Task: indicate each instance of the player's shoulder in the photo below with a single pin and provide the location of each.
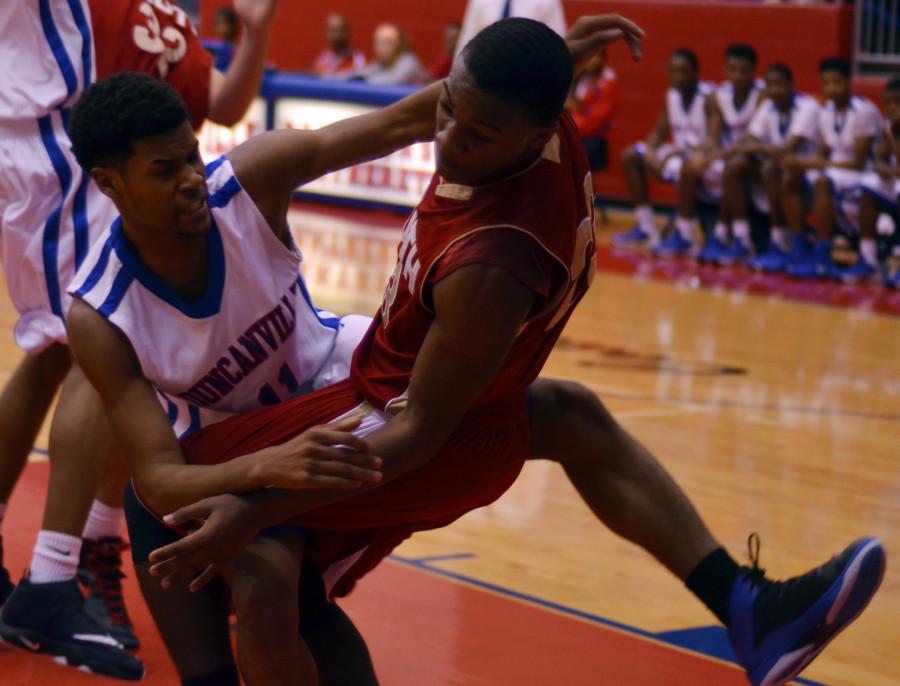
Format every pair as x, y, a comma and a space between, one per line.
220, 176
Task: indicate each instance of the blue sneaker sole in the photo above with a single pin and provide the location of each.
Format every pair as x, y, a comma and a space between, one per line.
853, 592
96, 659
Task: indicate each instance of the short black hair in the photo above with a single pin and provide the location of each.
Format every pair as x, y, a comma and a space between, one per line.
228, 14
688, 55
118, 110
741, 51
783, 70
892, 86
839, 64
524, 62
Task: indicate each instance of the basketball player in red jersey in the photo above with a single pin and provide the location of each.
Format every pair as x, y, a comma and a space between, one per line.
492, 262
55, 51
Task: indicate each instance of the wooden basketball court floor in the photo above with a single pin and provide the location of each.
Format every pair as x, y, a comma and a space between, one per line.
777, 413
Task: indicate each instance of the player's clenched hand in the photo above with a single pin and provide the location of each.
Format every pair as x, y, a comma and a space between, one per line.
255, 15
226, 525
589, 34
322, 457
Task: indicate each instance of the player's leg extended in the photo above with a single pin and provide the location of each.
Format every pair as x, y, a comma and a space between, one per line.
193, 626
644, 231
79, 443
627, 489
264, 582
738, 172
824, 208
23, 406
340, 651
776, 628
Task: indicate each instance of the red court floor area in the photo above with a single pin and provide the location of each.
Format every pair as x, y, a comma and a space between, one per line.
423, 630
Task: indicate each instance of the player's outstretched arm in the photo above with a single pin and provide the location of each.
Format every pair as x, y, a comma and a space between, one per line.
453, 369
144, 435
272, 165
230, 94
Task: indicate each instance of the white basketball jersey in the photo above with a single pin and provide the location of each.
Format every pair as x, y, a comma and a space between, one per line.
773, 127
688, 125
46, 56
736, 120
254, 337
840, 130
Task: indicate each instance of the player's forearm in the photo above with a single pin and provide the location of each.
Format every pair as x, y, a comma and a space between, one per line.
168, 486
231, 97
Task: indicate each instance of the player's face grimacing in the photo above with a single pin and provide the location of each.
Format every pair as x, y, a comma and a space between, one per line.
161, 187
835, 87
481, 138
779, 89
740, 73
681, 73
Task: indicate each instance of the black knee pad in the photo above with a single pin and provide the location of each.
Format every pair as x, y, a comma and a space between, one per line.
145, 531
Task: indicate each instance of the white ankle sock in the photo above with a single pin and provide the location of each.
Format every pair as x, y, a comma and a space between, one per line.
686, 228
720, 231
868, 251
644, 215
741, 228
780, 237
103, 522
55, 557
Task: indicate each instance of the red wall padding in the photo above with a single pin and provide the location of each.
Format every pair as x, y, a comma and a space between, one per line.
797, 35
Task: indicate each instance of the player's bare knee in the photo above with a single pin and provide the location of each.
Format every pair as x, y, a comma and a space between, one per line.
736, 167
263, 602
631, 159
821, 187
563, 412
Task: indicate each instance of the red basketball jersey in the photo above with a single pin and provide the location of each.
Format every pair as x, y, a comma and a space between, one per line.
551, 202
153, 37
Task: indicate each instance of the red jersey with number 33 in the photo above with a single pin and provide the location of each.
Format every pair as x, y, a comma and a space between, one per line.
153, 37
539, 220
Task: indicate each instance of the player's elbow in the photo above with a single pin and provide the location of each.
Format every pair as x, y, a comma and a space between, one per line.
155, 491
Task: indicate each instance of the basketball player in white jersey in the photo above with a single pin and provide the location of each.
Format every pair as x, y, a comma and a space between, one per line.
50, 213
880, 192
785, 122
680, 128
848, 126
729, 111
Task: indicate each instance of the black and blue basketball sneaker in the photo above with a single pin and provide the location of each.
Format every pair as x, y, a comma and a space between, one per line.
777, 628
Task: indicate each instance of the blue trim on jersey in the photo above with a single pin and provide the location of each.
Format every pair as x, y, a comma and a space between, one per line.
208, 304
80, 220
58, 49
120, 286
171, 408
85, 31
224, 195
99, 268
51, 226
194, 413
330, 322
215, 164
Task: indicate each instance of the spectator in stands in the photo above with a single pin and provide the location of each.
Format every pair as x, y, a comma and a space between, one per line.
339, 60
225, 27
848, 127
482, 13
786, 122
729, 110
394, 62
451, 40
680, 129
880, 191
592, 104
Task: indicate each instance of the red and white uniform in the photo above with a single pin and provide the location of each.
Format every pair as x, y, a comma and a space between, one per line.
538, 225
333, 66
51, 212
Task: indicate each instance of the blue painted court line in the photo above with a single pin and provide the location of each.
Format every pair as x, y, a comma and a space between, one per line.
705, 641
39, 451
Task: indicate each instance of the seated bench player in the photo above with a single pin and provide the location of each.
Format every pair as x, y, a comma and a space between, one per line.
880, 191
786, 122
680, 129
501, 246
848, 127
729, 111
